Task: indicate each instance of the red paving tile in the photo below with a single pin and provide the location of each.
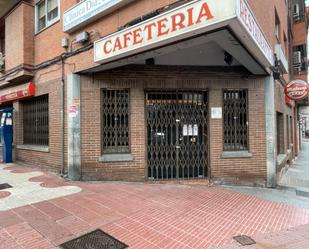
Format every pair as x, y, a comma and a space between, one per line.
293, 238
7, 241
9, 218
52, 211
74, 224
26, 237
4, 194
18, 169
146, 216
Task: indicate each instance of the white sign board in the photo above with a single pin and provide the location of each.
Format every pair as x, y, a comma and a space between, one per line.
88, 10
185, 21
190, 130
191, 19
216, 113
248, 20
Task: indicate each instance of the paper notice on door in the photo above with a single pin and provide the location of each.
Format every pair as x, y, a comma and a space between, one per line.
73, 111
8, 121
190, 130
195, 130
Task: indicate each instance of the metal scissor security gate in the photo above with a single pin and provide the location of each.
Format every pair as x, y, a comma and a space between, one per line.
177, 134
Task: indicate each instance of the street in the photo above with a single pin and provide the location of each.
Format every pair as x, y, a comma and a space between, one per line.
42, 210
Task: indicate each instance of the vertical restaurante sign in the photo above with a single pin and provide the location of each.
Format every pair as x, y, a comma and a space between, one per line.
88, 10
182, 22
248, 20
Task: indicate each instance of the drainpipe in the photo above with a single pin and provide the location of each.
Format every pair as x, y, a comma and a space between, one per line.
62, 173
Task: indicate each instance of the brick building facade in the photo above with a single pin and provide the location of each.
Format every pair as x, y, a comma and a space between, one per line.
197, 100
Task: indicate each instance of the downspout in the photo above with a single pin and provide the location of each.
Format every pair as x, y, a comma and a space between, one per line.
62, 172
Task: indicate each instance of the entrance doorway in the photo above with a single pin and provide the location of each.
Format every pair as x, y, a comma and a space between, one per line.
177, 134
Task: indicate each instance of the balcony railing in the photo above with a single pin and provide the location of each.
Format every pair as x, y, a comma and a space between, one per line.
301, 68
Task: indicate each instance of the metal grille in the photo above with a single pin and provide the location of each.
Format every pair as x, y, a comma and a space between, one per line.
35, 121
115, 113
280, 133
94, 240
235, 120
244, 240
177, 134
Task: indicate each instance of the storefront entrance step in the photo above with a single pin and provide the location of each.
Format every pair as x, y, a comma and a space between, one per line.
301, 191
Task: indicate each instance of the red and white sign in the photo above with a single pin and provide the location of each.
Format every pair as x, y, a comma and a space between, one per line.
191, 19
289, 101
182, 22
27, 90
248, 20
297, 89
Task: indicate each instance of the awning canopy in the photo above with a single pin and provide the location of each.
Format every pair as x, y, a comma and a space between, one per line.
198, 33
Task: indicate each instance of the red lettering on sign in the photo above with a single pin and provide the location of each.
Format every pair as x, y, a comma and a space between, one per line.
162, 27
205, 12
148, 28
177, 21
106, 51
190, 17
152, 31
137, 38
126, 38
27, 91
117, 45
297, 89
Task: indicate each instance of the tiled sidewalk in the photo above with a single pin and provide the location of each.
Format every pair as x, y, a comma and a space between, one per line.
293, 238
144, 215
298, 174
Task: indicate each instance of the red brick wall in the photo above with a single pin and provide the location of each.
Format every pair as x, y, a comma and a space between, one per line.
19, 31
47, 45
172, 78
265, 14
46, 160
48, 42
299, 33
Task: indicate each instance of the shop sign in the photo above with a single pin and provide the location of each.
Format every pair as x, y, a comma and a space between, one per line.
182, 22
248, 20
216, 113
27, 91
88, 10
289, 101
297, 89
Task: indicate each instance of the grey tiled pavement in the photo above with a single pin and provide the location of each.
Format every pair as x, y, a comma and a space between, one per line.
298, 174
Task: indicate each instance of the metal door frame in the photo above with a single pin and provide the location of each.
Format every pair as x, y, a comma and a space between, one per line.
175, 90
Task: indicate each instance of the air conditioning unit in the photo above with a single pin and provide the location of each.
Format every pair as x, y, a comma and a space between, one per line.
297, 59
296, 12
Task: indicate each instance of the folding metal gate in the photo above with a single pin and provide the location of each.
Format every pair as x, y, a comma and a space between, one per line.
177, 134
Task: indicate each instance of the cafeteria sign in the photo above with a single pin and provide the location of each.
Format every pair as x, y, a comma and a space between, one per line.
297, 90
176, 24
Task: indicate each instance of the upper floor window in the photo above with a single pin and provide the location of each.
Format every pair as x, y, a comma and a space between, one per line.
300, 59
277, 26
47, 12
